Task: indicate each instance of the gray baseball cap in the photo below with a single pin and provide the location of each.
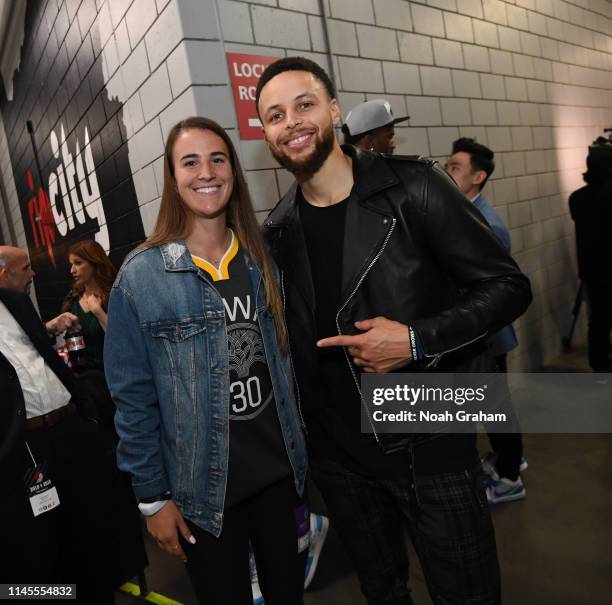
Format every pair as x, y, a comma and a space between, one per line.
370, 115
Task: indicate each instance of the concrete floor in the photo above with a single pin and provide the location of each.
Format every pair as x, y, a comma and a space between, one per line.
555, 547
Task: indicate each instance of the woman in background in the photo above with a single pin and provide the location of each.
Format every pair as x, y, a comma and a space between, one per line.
93, 275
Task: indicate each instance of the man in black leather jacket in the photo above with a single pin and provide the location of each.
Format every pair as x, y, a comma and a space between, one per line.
385, 266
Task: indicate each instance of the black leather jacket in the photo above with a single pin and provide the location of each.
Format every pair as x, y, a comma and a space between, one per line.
415, 251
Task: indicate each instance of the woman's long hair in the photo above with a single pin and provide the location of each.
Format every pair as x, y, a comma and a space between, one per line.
104, 271
175, 221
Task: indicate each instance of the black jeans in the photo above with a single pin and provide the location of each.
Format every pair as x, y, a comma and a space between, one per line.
507, 446
446, 516
219, 567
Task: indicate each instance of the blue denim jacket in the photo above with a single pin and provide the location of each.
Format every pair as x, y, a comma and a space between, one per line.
166, 362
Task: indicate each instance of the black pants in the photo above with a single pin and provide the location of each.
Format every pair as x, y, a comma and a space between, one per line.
600, 323
446, 516
219, 567
507, 446
76, 542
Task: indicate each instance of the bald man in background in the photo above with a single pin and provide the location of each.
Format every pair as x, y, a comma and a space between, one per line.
51, 458
16, 274
60, 487
15, 269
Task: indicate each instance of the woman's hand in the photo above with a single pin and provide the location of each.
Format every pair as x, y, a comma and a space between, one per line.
94, 304
165, 526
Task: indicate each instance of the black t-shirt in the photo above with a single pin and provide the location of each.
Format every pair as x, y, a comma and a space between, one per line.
257, 454
335, 418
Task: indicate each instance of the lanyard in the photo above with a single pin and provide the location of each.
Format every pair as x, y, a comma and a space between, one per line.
30, 452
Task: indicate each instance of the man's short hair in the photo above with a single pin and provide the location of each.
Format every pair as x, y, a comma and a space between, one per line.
481, 157
294, 64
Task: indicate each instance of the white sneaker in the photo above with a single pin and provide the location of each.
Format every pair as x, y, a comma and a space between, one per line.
319, 525
505, 490
489, 461
257, 596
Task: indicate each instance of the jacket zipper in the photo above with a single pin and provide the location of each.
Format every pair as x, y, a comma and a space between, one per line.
363, 276
297, 386
437, 356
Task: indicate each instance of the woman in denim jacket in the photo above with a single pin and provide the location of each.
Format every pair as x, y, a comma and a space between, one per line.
197, 360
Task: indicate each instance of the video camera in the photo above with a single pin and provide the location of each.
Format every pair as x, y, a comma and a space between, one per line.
605, 141
599, 159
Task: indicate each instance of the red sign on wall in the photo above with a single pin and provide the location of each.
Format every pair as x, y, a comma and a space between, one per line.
245, 71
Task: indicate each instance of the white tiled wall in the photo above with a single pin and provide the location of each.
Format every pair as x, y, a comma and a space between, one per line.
530, 78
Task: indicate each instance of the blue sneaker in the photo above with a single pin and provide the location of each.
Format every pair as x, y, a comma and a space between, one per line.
257, 596
319, 525
489, 469
504, 490
318, 532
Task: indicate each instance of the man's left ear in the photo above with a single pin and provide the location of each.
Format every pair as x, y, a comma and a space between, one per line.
480, 177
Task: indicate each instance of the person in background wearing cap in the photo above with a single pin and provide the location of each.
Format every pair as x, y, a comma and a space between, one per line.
384, 266
371, 126
471, 164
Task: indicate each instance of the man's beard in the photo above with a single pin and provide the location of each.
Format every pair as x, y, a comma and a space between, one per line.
306, 168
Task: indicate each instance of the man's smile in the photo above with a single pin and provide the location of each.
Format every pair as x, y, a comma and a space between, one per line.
299, 140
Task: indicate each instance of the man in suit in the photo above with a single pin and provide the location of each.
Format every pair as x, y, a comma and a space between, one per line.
16, 273
471, 164
54, 464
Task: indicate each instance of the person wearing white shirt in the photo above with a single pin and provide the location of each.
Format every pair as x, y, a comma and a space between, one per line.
58, 480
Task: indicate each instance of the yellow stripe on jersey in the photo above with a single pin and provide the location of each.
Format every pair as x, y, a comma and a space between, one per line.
223, 271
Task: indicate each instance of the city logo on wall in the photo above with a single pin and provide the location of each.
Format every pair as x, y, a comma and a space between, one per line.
61, 208
68, 148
